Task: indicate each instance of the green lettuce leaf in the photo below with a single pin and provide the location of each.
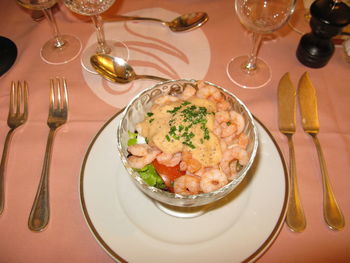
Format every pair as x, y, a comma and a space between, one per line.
151, 177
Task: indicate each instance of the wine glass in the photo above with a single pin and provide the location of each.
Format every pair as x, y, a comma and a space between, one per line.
300, 20
61, 48
260, 17
94, 8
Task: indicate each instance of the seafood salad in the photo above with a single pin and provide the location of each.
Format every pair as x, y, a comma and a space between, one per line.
190, 143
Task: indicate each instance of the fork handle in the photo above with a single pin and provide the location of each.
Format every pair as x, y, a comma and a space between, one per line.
40, 213
331, 211
2, 170
295, 214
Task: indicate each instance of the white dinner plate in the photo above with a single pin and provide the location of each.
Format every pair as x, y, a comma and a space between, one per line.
131, 228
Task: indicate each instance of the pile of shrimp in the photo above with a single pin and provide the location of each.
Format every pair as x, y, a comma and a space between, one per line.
228, 127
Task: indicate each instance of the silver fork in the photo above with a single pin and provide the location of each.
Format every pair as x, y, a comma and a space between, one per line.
18, 114
58, 114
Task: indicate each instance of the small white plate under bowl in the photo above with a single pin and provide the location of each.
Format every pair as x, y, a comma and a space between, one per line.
131, 228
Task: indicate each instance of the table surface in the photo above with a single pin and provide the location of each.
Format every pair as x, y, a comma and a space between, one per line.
200, 54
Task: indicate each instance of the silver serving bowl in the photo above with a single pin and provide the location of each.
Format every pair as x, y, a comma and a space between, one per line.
135, 113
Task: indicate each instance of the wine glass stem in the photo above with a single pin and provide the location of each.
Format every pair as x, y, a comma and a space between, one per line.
102, 45
251, 64
56, 34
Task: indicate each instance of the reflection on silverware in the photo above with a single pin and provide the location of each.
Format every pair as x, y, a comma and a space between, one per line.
18, 114
182, 23
117, 69
286, 121
308, 107
58, 114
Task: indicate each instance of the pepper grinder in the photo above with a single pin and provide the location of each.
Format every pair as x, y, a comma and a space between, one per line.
328, 17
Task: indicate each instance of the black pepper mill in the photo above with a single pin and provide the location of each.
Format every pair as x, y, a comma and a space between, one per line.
328, 17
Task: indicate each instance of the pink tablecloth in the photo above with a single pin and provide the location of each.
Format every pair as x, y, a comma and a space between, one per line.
67, 237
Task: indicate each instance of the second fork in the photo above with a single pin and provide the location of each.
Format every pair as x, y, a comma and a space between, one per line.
58, 114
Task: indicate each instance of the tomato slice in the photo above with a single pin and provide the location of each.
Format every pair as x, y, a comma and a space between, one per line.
168, 174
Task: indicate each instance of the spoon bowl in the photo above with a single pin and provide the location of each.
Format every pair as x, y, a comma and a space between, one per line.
188, 22
116, 69
182, 23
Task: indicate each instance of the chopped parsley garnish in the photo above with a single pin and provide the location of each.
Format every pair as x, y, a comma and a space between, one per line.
150, 114
191, 115
174, 110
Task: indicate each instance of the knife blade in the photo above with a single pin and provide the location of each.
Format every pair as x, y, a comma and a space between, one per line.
295, 218
286, 105
308, 104
309, 115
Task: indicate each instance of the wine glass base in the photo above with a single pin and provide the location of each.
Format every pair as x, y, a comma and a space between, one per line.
61, 55
182, 212
252, 79
118, 49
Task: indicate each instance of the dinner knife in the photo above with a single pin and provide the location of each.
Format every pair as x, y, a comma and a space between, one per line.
286, 121
308, 108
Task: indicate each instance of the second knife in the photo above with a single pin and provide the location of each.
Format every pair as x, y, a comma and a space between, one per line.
308, 108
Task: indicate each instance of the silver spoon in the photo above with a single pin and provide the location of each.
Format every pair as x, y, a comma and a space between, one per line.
182, 23
117, 69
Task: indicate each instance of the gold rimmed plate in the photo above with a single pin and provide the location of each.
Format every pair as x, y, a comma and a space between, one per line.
131, 228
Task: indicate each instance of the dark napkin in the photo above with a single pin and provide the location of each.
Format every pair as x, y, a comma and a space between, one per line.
8, 54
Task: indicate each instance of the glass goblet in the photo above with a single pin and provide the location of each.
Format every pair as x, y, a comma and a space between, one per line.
94, 8
61, 48
300, 20
260, 17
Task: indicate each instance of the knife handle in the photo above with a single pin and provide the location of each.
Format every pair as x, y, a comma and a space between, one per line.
295, 214
331, 211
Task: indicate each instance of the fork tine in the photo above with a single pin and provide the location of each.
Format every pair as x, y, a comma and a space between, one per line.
59, 102
12, 98
25, 100
65, 99
18, 98
52, 97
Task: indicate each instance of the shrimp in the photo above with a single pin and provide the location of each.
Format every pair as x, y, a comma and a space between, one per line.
169, 159
212, 179
241, 140
209, 92
238, 120
217, 129
186, 185
189, 163
233, 154
240, 154
188, 92
233, 169
228, 129
223, 145
165, 98
223, 106
222, 116
142, 154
